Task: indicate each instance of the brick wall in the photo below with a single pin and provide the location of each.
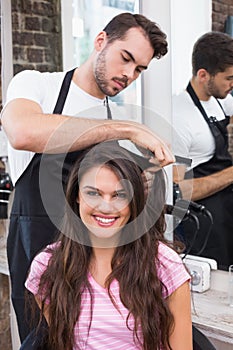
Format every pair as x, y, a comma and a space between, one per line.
36, 33
37, 44
5, 332
221, 9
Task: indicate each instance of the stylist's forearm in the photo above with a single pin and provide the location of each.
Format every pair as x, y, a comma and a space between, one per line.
28, 128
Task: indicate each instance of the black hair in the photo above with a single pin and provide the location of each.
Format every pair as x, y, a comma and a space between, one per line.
118, 27
213, 52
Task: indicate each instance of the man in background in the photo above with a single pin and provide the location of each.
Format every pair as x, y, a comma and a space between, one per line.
201, 115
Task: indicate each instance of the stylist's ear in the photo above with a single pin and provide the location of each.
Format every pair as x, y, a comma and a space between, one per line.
203, 75
100, 41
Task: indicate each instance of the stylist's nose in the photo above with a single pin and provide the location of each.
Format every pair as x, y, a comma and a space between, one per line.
129, 74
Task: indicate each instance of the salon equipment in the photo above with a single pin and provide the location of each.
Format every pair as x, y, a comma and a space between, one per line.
6, 187
195, 215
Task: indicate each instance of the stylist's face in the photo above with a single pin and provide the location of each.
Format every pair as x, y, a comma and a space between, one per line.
221, 84
118, 64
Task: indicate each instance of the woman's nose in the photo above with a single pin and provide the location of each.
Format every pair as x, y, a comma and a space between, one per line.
106, 205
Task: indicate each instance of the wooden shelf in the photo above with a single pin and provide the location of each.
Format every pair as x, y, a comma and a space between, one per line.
3, 254
3, 264
213, 315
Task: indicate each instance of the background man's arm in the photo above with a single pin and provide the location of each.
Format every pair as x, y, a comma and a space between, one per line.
202, 187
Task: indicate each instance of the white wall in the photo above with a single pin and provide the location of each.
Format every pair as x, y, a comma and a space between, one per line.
183, 21
189, 20
6, 64
6, 46
157, 80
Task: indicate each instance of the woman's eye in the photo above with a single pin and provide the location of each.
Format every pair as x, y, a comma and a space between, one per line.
121, 195
92, 193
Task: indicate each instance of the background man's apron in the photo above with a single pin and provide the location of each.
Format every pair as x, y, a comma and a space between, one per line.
30, 227
220, 242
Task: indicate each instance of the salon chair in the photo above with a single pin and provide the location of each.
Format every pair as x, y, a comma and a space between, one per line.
200, 341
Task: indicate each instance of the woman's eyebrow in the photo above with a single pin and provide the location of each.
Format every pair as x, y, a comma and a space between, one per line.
87, 187
90, 188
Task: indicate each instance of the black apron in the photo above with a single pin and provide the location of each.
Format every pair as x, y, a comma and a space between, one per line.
220, 242
38, 209
30, 227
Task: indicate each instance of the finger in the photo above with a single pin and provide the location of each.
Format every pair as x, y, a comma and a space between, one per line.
147, 175
148, 179
164, 156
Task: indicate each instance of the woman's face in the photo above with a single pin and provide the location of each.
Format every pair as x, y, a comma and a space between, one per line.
103, 202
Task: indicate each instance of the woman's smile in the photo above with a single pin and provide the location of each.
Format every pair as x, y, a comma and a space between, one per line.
105, 221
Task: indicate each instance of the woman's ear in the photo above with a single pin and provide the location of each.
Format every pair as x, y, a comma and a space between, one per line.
77, 199
100, 41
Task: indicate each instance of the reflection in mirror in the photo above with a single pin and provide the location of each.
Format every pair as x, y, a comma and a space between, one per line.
201, 125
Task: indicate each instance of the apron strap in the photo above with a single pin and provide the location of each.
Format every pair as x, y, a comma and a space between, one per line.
221, 107
197, 102
109, 113
211, 121
63, 92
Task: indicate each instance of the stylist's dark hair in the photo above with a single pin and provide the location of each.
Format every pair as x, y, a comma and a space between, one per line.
118, 27
213, 52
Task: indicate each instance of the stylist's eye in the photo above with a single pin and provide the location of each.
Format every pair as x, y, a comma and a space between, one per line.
126, 59
139, 70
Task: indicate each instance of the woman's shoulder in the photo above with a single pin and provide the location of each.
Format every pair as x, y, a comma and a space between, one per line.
44, 256
171, 269
165, 252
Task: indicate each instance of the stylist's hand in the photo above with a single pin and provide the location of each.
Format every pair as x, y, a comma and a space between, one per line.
148, 179
143, 137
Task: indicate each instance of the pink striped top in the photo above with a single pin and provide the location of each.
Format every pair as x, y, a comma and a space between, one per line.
108, 328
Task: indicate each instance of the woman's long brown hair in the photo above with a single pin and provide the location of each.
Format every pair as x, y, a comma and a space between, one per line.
133, 263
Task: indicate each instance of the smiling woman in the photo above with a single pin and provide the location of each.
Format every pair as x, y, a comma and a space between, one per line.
129, 288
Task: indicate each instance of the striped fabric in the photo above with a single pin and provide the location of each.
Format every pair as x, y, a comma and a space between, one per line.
108, 328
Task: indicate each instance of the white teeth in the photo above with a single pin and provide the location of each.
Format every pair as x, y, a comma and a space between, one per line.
104, 220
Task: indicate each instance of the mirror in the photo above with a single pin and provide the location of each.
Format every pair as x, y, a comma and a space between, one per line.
196, 19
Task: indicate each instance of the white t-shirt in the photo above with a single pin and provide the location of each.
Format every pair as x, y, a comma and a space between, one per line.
192, 137
44, 88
